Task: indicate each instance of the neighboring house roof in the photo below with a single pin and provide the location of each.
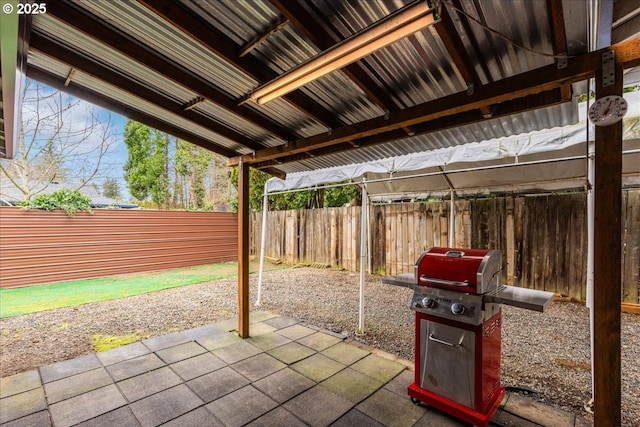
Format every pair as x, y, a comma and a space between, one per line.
10, 195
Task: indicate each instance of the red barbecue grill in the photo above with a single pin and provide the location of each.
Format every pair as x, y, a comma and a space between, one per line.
458, 329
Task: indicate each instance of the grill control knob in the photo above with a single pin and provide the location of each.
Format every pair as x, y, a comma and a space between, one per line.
428, 302
457, 308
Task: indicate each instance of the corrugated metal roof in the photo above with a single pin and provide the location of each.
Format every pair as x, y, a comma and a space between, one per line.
516, 124
150, 30
414, 71
57, 68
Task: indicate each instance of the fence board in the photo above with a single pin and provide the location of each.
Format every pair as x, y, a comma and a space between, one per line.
543, 238
631, 247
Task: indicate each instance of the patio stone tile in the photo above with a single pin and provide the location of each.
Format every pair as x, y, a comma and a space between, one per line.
501, 418
236, 352
281, 322
268, 341
317, 367
389, 409
120, 354
352, 385
356, 418
203, 332
180, 352
378, 367
537, 412
132, 367
257, 329
295, 332
76, 384
345, 353
144, 385
319, 341
22, 404
193, 367
241, 406
200, 417
261, 316
228, 325
67, 368
86, 406
277, 418
283, 385
214, 342
121, 417
165, 406
39, 419
19, 383
318, 406
165, 341
258, 366
217, 384
400, 383
291, 353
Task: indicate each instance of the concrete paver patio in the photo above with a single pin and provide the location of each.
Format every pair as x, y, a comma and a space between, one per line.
286, 374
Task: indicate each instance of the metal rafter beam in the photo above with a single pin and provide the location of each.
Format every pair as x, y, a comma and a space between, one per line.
466, 25
14, 45
316, 33
101, 31
229, 51
93, 67
532, 82
559, 36
504, 109
261, 38
454, 45
123, 109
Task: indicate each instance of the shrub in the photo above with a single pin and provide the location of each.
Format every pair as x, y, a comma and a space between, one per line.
67, 200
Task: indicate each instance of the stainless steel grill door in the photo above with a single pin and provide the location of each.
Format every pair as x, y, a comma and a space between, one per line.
447, 361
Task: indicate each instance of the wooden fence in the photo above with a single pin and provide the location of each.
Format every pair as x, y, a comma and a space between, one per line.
44, 247
543, 238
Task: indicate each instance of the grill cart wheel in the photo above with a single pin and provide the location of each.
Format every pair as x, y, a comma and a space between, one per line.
415, 401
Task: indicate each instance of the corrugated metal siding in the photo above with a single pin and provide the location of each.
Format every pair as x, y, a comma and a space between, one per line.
44, 247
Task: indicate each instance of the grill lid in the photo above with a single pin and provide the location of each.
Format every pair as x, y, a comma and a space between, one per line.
465, 270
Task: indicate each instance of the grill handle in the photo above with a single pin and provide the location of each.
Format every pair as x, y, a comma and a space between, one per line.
424, 278
447, 343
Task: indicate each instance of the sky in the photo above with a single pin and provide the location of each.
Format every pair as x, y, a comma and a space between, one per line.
77, 118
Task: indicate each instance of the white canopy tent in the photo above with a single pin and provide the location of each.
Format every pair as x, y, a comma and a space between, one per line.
548, 160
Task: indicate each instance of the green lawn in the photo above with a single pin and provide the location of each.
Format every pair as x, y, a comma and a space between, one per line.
31, 299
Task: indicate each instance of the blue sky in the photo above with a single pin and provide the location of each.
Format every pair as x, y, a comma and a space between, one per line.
79, 116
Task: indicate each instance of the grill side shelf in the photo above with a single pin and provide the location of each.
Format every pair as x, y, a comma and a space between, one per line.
529, 299
406, 280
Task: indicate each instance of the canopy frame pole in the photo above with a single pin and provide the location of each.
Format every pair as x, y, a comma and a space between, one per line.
363, 254
452, 220
263, 242
591, 175
243, 250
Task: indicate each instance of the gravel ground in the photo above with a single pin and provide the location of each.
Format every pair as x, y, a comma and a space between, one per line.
545, 353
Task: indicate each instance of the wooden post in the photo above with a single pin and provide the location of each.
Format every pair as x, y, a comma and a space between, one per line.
607, 263
243, 250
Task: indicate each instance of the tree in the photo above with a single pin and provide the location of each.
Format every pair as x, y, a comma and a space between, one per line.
304, 199
62, 139
192, 164
146, 168
111, 189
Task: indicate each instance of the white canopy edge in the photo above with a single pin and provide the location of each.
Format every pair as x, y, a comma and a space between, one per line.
543, 147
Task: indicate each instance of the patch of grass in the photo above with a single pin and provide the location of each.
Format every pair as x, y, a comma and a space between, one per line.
102, 342
31, 299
